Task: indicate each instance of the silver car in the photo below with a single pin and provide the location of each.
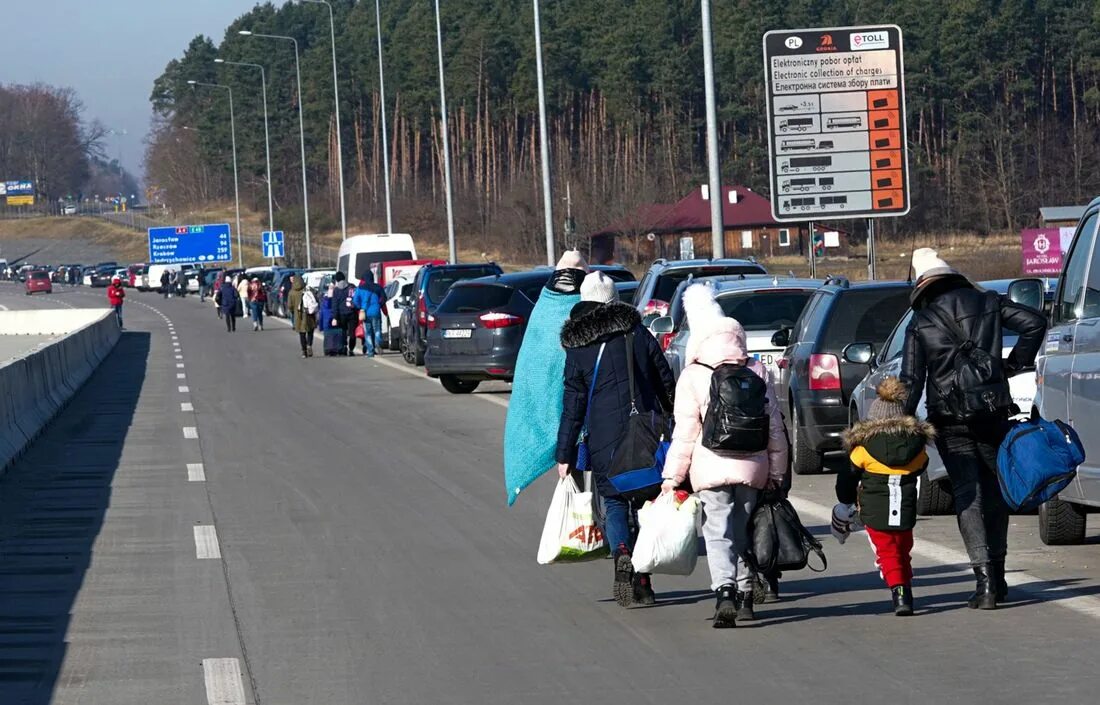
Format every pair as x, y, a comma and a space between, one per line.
763, 305
933, 489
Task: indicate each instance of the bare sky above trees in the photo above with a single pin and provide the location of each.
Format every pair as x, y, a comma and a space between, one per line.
108, 52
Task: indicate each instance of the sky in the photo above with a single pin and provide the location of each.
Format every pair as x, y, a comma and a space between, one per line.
109, 52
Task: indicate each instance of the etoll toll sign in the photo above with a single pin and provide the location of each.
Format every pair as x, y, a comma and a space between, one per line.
836, 122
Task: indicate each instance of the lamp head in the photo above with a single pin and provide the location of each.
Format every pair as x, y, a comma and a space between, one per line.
245, 33
219, 61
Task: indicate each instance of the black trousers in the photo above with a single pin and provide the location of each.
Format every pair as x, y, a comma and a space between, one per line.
230, 322
306, 339
350, 325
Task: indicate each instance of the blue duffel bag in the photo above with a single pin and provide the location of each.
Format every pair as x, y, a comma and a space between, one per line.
1036, 461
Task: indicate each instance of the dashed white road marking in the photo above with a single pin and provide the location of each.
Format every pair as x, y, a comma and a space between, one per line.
181, 375
179, 357
186, 406
184, 389
196, 472
224, 685
190, 432
179, 365
206, 542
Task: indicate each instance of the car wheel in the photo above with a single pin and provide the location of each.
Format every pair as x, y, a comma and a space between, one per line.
933, 498
804, 459
454, 385
409, 353
1061, 523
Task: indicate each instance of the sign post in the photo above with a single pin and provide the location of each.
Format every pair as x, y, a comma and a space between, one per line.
273, 244
190, 244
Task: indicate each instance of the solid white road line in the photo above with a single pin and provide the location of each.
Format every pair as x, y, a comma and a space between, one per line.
206, 542
419, 374
185, 390
224, 685
190, 432
186, 406
196, 472
1043, 590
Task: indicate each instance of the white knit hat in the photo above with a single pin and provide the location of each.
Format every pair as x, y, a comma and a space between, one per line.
927, 263
572, 259
705, 319
600, 288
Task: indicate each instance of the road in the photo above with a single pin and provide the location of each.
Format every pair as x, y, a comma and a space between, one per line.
215, 520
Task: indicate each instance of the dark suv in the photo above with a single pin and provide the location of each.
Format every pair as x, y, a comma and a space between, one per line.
476, 332
815, 383
430, 286
655, 292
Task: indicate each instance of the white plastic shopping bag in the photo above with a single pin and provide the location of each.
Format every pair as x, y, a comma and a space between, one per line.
570, 533
666, 540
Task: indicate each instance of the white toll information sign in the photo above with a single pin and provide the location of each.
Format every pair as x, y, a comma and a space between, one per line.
836, 123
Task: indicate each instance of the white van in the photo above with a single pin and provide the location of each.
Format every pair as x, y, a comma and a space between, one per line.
359, 252
154, 272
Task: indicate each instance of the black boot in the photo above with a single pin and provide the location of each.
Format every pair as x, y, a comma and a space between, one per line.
623, 587
771, 587
985, 592
998, 578
725, 609
643, 590
744, 602
903, 600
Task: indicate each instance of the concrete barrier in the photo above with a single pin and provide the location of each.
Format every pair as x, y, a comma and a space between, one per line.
36, 386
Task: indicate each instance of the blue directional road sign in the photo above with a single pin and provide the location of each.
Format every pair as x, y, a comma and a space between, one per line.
190, 244
273, 245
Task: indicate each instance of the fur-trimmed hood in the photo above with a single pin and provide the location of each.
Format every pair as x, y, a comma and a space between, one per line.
862, 433
590, 324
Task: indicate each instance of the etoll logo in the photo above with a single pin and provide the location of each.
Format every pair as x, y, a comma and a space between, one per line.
862, 41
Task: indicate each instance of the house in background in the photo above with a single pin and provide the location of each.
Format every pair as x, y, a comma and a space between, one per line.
682, 230
1060, 216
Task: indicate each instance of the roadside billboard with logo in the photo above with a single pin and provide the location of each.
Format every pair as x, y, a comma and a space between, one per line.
1042, 249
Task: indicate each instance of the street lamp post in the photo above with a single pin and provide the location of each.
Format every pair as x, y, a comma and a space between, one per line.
446, 141
236, 183
301, 131
267, 137
717, 235
544, 144
339, 139
382, 97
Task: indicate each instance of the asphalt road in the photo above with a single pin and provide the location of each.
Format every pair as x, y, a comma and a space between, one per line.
356, 548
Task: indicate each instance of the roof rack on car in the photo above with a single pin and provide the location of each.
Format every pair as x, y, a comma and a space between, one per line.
842, 282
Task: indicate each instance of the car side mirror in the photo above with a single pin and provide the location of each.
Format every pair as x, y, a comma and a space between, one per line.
1028, 292
662, 325
782, 338
859, 354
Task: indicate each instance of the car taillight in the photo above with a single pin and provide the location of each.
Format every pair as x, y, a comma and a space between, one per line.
656, 306
422, 312
499, 320
782, 363
432, 323
824, 373
665, 339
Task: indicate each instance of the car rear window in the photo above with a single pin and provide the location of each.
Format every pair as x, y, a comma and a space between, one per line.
765, 310
475, 299
439, 282
667, 282
39, 275
865, 316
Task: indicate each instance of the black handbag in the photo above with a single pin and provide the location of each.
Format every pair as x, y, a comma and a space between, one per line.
779, 541
639, 459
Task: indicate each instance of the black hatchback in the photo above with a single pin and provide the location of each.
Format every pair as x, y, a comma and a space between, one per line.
476, 332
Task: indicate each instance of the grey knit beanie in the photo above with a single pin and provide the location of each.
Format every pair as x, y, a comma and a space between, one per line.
891, 400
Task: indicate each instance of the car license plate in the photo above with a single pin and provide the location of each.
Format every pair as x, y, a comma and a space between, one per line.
458, 333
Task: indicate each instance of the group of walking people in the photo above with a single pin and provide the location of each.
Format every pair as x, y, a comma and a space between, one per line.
573, 377
240, 295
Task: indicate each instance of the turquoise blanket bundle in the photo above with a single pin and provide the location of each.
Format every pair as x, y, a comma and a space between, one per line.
531, 430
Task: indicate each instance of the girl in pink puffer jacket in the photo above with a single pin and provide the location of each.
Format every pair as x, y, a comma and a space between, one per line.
728, 484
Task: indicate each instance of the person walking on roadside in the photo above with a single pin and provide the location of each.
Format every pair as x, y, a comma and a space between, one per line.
603, 340
343, 313
165, 283
229, 300
331, 335
257, 299
305, 306
887, 453
727, 482
369, 298
955, 324
115, 295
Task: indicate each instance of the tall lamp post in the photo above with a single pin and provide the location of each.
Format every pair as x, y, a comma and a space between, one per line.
336, 99
267, 137
717, 234
236, 183
446, 141
544, 144
301, 130
382, 97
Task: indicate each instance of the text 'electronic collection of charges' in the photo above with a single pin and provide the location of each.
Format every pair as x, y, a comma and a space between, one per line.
836, 113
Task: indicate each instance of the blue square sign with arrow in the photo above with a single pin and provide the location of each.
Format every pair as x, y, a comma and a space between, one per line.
272, 241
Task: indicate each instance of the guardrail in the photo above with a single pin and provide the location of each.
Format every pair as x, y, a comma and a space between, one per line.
35, 387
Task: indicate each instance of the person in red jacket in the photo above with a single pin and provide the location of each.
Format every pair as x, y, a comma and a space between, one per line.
116, 294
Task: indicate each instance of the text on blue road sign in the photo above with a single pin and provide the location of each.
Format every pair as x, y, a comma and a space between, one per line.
190, 244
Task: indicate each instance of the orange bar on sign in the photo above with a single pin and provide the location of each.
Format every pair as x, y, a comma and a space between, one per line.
887, 200
882, 100
884, 119
885, 159
890, 179
885, 139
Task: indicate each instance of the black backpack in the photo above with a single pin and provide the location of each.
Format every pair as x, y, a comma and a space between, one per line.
978, 386
737, 415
